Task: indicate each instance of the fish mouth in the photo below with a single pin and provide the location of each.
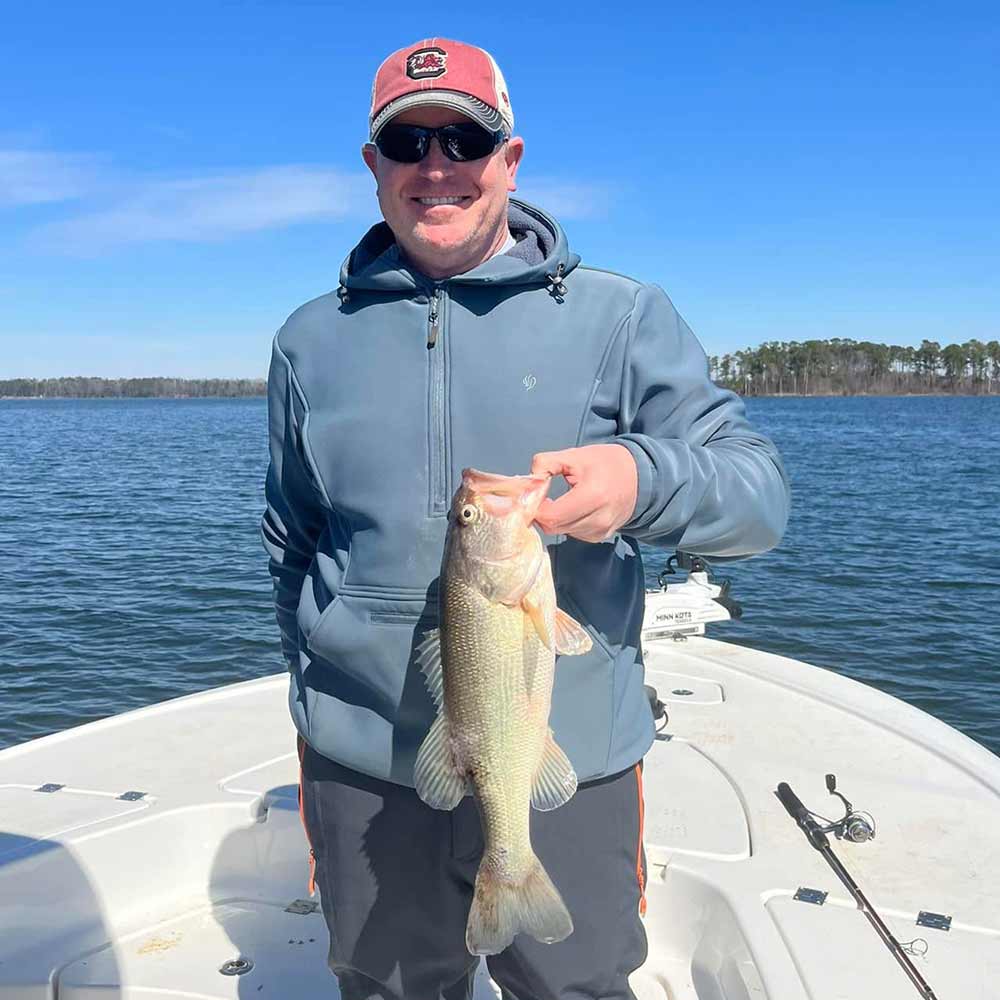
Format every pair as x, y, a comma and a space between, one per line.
494, 482
502, 493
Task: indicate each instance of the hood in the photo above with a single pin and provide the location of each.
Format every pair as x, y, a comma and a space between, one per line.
541, 255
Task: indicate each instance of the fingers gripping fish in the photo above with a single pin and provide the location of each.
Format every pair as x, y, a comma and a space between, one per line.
490, 670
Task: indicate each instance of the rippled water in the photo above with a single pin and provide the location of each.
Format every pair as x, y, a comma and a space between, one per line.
133, 570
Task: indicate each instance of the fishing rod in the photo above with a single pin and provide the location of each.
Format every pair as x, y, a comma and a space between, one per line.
817, 837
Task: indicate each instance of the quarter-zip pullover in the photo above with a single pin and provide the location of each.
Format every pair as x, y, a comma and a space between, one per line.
381, 393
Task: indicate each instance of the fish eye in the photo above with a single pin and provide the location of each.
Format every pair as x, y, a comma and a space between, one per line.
468, 514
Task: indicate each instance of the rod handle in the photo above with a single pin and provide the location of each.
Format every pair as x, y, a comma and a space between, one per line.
798, 812
792, 803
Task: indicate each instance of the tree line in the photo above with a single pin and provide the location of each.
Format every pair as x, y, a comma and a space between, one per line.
840, 367
850, 367
85, 387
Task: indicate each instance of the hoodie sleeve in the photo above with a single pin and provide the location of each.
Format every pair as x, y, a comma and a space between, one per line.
708, 482
294, 516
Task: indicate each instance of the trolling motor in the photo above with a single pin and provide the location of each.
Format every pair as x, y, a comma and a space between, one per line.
678, 610
857, 827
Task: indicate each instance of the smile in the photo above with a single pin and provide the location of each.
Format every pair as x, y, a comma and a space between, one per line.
453, 200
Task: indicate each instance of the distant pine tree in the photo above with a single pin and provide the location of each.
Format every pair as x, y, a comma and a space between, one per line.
845, 367
81, 387
835, 367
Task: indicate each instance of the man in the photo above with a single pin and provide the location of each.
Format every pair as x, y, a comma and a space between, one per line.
466, 333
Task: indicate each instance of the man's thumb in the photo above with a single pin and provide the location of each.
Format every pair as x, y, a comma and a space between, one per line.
544, 518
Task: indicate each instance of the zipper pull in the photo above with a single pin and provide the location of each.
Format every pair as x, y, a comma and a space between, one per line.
432, 321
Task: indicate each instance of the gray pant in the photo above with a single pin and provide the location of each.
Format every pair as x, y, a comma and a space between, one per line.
396, 880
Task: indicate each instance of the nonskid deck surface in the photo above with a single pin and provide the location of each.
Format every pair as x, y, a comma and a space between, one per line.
204, 862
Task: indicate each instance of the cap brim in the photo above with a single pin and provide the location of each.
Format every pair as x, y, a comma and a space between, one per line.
471, 107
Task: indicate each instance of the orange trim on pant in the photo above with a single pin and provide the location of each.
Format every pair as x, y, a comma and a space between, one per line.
639, 873
302, 816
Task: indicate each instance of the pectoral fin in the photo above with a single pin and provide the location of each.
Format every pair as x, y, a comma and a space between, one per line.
534, 608
555, 779
571, 637
436, 777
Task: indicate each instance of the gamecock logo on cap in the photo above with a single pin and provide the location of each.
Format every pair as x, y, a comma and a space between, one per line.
424, 64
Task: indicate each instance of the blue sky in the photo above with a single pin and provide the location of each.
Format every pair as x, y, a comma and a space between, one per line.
176, 179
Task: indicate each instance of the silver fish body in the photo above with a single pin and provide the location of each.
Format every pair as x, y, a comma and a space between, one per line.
490, 668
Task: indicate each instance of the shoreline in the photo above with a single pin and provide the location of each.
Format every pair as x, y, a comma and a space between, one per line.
769, 395
255, 395
872, 395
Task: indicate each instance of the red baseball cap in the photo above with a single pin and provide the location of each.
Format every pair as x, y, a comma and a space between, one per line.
444, 73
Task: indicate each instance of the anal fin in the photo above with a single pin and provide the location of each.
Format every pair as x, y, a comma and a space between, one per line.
555, 779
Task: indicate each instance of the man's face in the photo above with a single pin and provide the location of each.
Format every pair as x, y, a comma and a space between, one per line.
443, 240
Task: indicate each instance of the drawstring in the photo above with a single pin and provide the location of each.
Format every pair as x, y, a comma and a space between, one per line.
556, 287
343, 294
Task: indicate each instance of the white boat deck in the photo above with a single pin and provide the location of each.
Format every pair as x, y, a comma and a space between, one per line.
103, 894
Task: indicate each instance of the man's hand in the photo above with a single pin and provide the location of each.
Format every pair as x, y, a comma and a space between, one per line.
603, 485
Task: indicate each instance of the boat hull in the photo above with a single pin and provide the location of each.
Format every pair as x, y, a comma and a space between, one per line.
150, 894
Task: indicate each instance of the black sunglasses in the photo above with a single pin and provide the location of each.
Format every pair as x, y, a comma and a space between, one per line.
459, 142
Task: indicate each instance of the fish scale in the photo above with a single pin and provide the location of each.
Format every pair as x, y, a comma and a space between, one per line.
487, 701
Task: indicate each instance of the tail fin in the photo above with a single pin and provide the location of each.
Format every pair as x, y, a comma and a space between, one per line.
501, 909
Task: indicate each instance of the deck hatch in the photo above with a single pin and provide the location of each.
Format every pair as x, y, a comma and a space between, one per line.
56, 813
692, 808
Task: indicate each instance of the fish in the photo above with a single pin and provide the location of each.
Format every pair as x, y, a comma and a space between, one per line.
489, 667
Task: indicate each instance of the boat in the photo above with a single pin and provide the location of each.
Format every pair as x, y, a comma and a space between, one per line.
160, 853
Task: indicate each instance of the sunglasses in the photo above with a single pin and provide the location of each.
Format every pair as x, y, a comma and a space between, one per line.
460, 142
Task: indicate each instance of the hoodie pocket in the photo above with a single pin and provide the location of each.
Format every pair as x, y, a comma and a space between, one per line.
361, 648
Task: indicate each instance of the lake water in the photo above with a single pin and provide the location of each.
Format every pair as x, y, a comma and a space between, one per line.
133, 570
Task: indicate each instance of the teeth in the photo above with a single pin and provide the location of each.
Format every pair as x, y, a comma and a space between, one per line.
440, 201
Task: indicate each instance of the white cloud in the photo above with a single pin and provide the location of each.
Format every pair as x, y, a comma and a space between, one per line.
209, 208
33, 178
108, 208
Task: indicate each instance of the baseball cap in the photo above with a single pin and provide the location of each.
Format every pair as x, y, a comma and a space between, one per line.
443, 73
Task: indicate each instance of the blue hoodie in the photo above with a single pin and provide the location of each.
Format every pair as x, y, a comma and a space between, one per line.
380, 393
